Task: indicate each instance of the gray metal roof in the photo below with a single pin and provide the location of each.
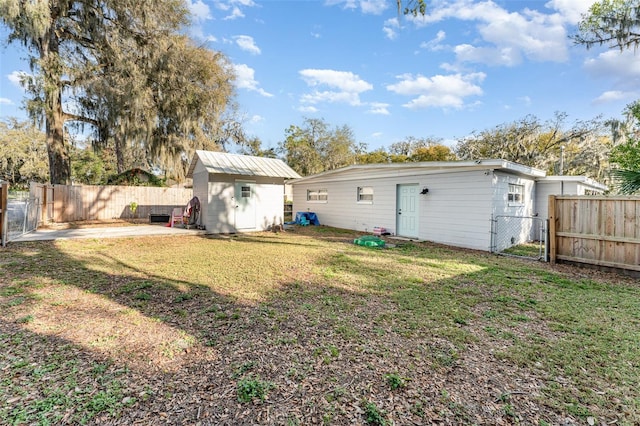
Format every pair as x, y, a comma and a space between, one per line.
244, 165
408, 169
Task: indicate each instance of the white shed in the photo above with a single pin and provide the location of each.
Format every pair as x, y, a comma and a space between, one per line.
452, 202
239, 193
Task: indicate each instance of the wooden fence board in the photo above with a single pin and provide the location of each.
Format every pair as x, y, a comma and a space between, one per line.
596, 230
70, 203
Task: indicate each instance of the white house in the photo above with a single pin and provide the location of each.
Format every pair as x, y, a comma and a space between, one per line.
452, 202
564, 185
239, 193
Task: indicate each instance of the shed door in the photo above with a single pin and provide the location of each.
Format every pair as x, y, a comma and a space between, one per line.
407, 210
245, 207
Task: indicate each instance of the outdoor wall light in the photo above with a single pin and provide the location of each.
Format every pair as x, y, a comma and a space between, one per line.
424, 190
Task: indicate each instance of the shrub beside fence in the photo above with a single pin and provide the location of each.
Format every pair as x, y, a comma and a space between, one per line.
596, 230
70, 203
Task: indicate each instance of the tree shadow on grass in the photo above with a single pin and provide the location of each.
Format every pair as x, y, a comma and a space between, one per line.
322, 326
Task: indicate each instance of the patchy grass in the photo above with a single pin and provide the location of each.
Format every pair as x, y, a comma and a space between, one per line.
532, 250
305, 327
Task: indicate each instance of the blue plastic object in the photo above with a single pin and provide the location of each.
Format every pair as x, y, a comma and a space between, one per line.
311, 217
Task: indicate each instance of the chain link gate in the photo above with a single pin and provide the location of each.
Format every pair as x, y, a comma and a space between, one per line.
22, 217
521, 236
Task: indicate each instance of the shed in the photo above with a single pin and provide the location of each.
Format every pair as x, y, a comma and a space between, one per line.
449, 202
239, 193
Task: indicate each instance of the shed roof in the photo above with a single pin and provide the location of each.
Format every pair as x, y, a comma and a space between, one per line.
244, 165
426, 167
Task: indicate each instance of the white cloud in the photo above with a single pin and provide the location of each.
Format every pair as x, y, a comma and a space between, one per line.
446, 91
256, 119
308, 109
222, 6
373, 7
245, 80
236, 13
245, 3
488, 55
16, 76
343, 80
199, 10
247, 43
389, 28
571, 10
614, 96
234, 8
379, 108
435, 43
5, 101
506, 37
623, 67
348, 85
526, 100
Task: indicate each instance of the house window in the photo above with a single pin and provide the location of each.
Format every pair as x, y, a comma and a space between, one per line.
516, 194
319, 195
246, 192
365, 194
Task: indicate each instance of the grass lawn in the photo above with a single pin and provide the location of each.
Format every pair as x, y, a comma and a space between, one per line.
305, 327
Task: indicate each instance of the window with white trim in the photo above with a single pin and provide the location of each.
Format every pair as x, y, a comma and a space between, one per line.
516, 194
365, 194
318, 195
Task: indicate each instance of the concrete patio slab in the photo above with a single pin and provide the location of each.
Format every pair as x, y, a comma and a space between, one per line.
105, 232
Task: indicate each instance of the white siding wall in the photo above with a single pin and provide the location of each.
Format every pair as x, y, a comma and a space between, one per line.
549, 187
200, 179
543, 190
512, 224
270, 193
501, 190
455, 211
220, 217
220, 214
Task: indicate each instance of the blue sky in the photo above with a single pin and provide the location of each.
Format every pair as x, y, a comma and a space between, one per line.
467, 66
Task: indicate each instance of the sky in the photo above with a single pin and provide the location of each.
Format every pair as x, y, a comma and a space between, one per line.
466, 66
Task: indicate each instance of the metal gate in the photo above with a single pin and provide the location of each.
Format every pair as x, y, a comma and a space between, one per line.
21, 217
521, 236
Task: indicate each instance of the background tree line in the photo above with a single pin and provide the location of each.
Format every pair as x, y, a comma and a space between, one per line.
593, 148
148, 97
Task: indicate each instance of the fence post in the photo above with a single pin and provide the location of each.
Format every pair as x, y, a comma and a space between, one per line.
552, 229
4, 200
493, 231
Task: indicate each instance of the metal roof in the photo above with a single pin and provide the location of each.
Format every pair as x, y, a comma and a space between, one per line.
408, 169
244, 165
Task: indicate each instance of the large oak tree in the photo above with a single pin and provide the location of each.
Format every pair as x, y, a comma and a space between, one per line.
120, 64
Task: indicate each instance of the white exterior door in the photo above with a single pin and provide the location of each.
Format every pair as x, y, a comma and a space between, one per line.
407, 210
245, 205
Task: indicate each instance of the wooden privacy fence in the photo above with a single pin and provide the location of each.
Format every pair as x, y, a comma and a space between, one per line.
596, 230
70, 203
